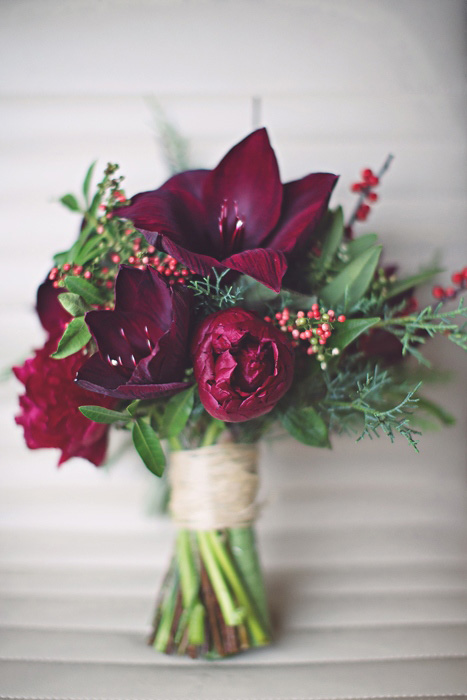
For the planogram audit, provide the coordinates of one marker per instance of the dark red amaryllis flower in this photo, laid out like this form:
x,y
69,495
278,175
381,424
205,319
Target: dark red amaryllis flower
x,y
142,342
238,216
242,364
50,412
52,315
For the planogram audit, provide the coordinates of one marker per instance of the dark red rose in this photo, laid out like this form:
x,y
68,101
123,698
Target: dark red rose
x,y
50,415
238,216
242,364
52,315
143,342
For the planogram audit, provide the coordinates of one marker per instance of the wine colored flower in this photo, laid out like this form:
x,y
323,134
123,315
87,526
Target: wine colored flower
x,y
238,216
50,412
52,315
143,342
243,365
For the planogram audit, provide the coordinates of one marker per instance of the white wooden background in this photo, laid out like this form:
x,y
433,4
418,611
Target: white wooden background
x,y
364,547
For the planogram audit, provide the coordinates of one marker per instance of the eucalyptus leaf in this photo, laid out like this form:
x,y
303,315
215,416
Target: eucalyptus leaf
x,y
333,236
360,244
345,333
98,414
75,337
86,290
177,412
305,425
148,446
87,180
350,285
403,285
73,303
70,201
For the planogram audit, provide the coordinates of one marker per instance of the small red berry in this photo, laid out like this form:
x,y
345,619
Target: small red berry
x,y
450,292
438,292
372,196
341,318
87,275
457,278
362,212
115,258
356,187
66,267
367,173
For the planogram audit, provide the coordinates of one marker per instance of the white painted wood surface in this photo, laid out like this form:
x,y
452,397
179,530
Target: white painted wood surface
x,y
364,547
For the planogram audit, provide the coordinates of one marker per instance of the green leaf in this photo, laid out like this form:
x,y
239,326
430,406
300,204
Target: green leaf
x,y
75,337
345,333
86,290
73,304
61,258
88,251
148,446
360,244
96,200
87,180
403,285
333,236
70,201
350,285
177,412
98,414
306,425
131,408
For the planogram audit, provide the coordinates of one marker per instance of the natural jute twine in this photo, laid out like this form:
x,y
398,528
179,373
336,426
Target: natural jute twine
x,y
214,487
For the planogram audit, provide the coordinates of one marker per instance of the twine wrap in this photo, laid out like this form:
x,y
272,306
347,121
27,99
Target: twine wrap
x,y
214,487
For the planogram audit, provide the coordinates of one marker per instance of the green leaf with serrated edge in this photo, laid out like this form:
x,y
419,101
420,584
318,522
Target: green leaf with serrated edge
x,y
403,285
148,446
333,236
70,201
98,414
75,337
88,250
351,283
86,290
360,244
177,412
131,408
87,180
73,304
305,425
345,333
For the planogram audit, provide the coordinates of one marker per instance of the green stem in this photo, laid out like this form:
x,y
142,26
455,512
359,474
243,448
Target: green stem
x,y
193,610
165,624
253,622
213,430
244,551
232,614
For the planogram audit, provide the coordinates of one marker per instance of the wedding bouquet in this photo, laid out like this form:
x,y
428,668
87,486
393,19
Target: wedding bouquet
x,y
202,315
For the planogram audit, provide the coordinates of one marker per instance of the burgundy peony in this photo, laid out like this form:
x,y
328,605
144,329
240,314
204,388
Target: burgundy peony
x,y
143,342
242,364
238,216
50,415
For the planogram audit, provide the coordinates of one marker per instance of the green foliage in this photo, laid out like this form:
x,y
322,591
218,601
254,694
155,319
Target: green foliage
x,y
364,396
306,425
87,181
349,331
148,446
73,303
98,414
212,295
350,285
333,233
84,288
75,337
70,202
360,245
414,329
400,286
177,412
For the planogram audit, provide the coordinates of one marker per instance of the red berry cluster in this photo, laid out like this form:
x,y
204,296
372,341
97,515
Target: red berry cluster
x,y
364,188
314,327
459,279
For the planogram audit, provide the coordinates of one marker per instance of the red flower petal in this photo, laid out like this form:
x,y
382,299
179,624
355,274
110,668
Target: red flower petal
x,y
249,176
304,203
263,264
